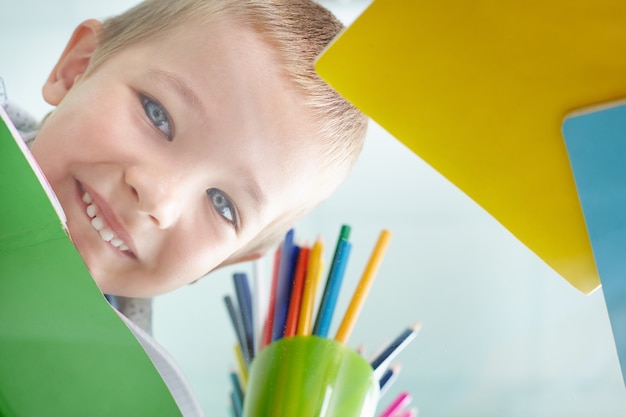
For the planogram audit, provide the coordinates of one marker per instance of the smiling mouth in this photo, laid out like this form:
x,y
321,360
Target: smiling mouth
x,y
98,223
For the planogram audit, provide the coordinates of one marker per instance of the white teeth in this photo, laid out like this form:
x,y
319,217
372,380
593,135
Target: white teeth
x,y
97,223
106,234
92,210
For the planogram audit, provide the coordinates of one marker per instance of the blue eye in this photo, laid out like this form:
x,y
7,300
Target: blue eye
x,y
158,116
222,204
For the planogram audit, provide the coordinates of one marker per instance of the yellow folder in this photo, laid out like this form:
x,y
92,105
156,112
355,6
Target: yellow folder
x,y
479,90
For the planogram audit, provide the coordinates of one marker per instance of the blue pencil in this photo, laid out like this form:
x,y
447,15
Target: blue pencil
x,y
388,378
237,408
335,278
283,286
344,234
244,298
381,362
237,326
237,390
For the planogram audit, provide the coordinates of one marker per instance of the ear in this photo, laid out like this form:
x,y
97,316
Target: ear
x,y
73,62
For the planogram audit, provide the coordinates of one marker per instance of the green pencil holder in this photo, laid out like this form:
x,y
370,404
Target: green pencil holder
x,y
310,376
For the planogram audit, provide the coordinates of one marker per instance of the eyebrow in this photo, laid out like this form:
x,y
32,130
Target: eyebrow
x,y
253,190
171,80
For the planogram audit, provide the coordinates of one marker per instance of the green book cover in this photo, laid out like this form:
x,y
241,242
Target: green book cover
x,y
63,350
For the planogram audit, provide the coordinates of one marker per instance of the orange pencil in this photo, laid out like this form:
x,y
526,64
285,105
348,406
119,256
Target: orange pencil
x,y
296,292
313,275
362,289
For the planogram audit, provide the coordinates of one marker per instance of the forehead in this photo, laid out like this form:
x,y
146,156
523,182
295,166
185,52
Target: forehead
x,y
233,69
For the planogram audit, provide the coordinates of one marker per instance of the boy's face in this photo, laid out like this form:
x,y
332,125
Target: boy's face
x,y
178,149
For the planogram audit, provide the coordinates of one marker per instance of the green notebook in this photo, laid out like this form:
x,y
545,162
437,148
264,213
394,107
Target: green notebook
x,y
63,350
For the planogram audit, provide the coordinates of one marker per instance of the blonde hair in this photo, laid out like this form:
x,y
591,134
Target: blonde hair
x,y
298,30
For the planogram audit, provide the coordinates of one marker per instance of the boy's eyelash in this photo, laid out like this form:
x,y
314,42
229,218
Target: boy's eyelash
x,y
158,116
224,206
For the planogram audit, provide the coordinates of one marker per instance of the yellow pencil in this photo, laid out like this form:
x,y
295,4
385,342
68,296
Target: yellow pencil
x,y
363,287
243,371
310,288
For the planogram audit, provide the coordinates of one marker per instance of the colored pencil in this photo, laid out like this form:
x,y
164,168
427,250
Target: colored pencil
x,y
293,314
237,389
283,288
259,306
344,234
363,287
269,321
409,413
379,349
313,275
388,378
335,278
237,407
381,362
402,400
237,323
243,369
244,298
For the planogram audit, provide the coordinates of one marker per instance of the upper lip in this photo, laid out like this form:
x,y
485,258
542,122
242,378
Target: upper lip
x,y
111,219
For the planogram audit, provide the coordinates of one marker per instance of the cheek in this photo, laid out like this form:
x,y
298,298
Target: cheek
x,y
191,252
52,150
81,141
90,124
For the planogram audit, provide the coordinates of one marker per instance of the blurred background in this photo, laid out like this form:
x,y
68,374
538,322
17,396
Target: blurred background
x,y
503,335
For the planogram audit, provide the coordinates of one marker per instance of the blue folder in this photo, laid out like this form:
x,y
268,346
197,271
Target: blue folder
x,y
596,144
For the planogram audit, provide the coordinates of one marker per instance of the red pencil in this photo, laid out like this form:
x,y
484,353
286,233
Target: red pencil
x,y
269,322
296,293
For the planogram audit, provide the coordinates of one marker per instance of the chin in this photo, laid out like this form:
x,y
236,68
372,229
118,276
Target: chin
x,y
100,281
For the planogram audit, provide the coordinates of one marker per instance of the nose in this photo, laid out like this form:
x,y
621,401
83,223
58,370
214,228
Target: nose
x,y
155,193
